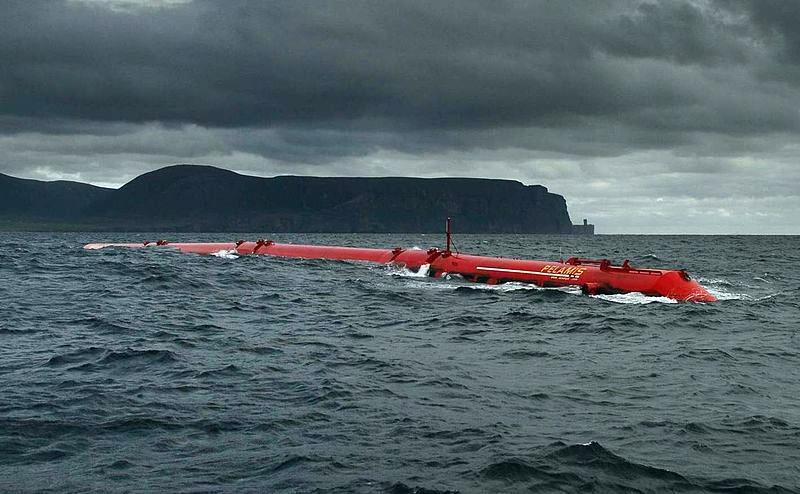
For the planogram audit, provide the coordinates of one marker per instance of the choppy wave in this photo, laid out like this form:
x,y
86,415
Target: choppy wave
x,y
593,468
725,289
723,294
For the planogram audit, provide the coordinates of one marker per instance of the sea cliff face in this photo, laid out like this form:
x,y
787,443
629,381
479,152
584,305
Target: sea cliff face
x,y
205,198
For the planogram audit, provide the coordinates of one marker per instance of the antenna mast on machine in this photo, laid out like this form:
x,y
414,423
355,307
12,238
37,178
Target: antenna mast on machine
x,y
448,234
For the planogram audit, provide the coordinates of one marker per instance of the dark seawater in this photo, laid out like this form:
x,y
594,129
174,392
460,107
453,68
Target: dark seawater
x,y
150,370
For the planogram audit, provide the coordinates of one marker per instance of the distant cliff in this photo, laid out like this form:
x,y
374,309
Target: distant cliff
x,y
28,204
205,198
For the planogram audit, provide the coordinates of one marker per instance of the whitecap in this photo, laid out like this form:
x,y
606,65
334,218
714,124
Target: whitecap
x,y
514,286
635,298
722,294
504,287
226,254
404,272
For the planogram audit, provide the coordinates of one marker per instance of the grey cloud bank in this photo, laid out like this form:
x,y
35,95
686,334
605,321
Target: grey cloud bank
x,y
673,116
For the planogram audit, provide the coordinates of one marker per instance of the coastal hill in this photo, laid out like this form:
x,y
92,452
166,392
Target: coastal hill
x,y
34,202
205,198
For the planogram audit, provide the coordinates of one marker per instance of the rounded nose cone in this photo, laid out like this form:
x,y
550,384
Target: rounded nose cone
x,y
698,293
677,285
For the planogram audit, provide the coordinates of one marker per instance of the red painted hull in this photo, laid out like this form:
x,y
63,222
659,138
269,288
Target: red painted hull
x,y
593,277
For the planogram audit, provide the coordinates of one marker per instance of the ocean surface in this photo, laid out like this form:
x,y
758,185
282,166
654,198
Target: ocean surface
x,y
148,370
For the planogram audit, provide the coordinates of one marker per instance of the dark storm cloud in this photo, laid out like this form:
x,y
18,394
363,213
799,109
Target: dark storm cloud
x,y
776,21
610,102
397,65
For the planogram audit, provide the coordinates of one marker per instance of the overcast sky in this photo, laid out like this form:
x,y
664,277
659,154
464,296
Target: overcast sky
x,y
649,117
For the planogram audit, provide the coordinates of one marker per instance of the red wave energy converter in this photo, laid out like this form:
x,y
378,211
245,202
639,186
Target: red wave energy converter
x,y
593,276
